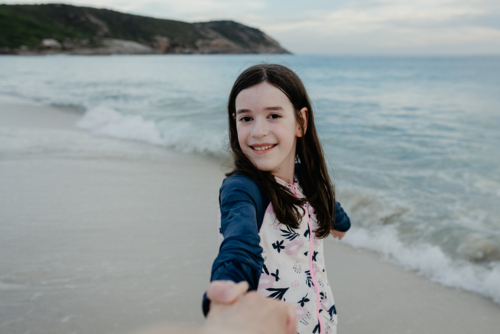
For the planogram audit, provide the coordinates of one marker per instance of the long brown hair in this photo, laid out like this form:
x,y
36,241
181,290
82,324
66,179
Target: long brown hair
x,y
311,172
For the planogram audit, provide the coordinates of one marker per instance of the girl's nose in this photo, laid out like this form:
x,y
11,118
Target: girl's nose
x,y
260,128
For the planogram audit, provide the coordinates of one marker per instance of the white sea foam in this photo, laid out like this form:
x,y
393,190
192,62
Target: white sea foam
x,y
383,224
108,122
182,136
429,261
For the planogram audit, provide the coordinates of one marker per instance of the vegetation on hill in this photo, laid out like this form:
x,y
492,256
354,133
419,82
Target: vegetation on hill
x,y
24,27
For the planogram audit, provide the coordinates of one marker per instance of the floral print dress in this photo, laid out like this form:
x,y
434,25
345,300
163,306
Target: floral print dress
x,y
294,269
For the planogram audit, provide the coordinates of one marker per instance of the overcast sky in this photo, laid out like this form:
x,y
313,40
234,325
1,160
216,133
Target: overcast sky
x,y
418,27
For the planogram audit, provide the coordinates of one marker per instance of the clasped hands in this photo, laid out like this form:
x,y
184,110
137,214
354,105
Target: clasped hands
x,y
234,310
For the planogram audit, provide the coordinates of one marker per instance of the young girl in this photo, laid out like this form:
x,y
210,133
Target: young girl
x,y
278,204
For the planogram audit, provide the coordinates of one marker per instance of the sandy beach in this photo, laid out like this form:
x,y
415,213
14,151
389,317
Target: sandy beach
x,y
99,235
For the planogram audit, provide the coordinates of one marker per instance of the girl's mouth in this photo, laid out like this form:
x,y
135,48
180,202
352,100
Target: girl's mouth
x,y
263,148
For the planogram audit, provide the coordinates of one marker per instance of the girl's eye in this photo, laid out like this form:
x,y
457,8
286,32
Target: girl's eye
x,y
245,119
274,116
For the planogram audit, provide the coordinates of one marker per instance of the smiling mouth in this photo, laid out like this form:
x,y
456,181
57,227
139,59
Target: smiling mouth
x,y
263,148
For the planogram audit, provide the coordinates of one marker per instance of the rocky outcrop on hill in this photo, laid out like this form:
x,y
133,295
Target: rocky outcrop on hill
x,y
233,37
58,28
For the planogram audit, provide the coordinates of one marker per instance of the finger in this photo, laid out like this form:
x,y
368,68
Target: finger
x,y
291,323
226,292
217,289
240,288
232,293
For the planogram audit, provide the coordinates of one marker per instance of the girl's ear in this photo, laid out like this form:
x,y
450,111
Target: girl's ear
x,y
304,114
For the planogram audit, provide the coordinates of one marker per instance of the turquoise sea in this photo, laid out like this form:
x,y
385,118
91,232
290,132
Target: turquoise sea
x,y
412,142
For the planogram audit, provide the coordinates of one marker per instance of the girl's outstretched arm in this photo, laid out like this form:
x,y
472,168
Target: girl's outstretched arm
x,y
242,207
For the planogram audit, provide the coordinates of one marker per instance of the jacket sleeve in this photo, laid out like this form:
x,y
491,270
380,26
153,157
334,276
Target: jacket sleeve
x,y
341,221
240,255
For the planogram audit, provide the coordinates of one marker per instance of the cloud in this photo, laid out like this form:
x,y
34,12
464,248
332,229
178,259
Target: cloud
x,y
194,10
186,10
395,26
394,14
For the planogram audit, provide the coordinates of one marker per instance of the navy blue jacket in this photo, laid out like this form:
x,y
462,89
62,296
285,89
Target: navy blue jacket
x,y
243,204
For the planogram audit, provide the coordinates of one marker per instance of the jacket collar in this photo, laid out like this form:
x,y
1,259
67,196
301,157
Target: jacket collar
x,y
294,188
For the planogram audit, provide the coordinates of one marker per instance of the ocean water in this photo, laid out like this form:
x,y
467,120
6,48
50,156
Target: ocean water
x,y
412,142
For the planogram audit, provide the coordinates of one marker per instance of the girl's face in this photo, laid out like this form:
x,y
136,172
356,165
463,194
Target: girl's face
x,y
267,129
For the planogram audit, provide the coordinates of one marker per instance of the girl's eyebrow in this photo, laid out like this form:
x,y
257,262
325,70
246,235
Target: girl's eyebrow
x,y
241,111
274,108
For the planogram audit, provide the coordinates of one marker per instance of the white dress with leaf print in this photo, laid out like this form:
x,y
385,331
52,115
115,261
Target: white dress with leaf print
x,y
294,269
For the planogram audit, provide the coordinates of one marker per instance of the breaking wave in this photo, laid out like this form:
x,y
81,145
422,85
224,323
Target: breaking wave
x,y
183,136
380,224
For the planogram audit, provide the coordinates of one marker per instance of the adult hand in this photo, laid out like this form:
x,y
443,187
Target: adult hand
x,y
248,314
227,293
337,234
252,313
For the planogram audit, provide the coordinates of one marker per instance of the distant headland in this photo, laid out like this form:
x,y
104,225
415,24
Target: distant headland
x,y
66,29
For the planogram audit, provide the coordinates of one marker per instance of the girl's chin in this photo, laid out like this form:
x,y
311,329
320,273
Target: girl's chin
x,y
265,167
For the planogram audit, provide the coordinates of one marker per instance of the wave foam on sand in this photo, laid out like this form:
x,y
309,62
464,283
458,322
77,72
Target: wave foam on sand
x,y
182,136
377,228
430,261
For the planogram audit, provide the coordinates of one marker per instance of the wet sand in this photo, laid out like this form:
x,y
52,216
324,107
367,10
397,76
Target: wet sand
x,y
105,236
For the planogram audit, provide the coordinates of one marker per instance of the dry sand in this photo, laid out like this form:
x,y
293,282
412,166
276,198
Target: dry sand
x,y
104,236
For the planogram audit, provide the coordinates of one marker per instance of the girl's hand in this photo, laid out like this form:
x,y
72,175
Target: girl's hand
x,y
337,234
226,292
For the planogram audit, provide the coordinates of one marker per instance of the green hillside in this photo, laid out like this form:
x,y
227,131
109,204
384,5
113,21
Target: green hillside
x,y
25,26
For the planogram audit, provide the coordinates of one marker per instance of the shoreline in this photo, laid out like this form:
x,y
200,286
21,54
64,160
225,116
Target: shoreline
x,y
105,235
